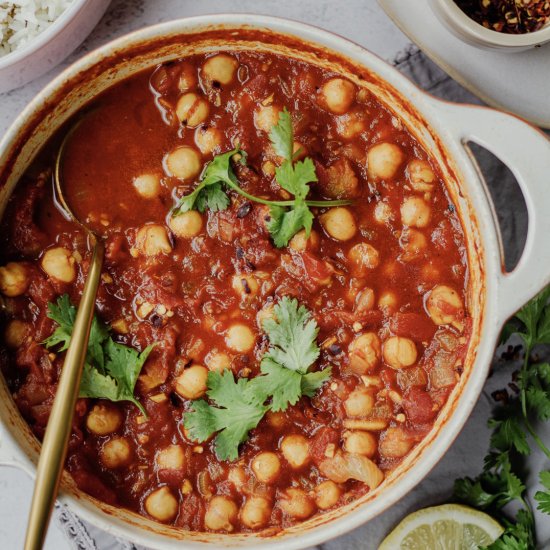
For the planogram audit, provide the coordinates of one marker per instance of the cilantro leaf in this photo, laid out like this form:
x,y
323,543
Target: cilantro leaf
x,y
237,412
111,369
472,492
543,497
209,194
535,317
283,385
284,224
238,407
296,177
282,136
312,381
292,334
122,369
509,433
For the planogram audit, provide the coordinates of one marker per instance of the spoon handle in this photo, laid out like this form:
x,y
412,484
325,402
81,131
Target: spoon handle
x,y
54,445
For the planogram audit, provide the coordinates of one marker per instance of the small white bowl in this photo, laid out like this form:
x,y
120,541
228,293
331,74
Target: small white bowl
x,y
473,33
51,46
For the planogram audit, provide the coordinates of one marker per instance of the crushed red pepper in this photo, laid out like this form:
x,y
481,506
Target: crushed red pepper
x,y
508,16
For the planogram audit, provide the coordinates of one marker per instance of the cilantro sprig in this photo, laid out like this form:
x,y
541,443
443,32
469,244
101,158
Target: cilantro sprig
x,y
502,480
111,369
237,407
287,217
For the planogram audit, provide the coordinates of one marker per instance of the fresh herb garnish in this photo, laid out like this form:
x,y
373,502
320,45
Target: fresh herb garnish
x,y
111,369
502,479
287,217
239,406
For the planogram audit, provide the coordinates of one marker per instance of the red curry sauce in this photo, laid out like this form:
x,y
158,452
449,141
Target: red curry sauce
x,y
385,279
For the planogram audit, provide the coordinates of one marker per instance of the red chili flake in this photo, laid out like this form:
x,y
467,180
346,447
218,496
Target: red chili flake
x,y
508,16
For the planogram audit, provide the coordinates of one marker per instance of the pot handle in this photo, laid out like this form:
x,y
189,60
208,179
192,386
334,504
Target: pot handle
x,y
526,152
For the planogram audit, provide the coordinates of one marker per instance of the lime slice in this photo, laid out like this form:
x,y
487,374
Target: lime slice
x,y
447,527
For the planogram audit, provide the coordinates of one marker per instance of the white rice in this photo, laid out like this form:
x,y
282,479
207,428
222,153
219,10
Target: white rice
x,y
22,20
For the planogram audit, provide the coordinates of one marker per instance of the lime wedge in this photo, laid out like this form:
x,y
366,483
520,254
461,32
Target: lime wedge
x,y
446,527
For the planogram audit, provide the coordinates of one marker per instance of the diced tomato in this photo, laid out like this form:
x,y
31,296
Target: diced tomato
x,y
413,325
191,512
321,440
418,405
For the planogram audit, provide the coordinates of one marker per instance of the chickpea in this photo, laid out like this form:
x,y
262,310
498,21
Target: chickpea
x,y
350,126
16,333
337,95
266,467
183,163
413,243
104,419
256,512
240,338
421,176
395,443
360,443
266,116
217,361
221,514
246,286
399,352
186,225
300,243
208,140
147,185
237,476
191,383
152,239
192,110
14,279
220,68
363,257
360,402
383,212
295,449
383,161
170,458
339,223
188,78
364,353
276,420
387,302
162,504
364,301
59,264
444,305
264,314
115,453
296,503
415,212
327,494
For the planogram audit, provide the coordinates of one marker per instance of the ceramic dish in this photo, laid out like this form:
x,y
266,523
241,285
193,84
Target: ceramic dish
x,y
486,72
443,130
472,32
52,45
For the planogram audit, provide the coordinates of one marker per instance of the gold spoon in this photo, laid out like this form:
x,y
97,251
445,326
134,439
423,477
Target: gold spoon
x,y
54,445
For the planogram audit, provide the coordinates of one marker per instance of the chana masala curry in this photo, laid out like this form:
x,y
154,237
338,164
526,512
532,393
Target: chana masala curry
x,y
282,310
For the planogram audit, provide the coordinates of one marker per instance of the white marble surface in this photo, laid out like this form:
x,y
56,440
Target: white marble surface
x,y
360,20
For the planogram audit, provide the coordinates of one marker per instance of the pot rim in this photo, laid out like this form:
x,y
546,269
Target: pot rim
x,y
428,108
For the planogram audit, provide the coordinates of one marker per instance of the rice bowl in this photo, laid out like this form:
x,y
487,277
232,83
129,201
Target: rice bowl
x,y
36,35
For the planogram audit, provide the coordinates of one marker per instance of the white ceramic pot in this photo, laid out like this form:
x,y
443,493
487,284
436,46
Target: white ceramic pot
x,y
442,128
52,45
